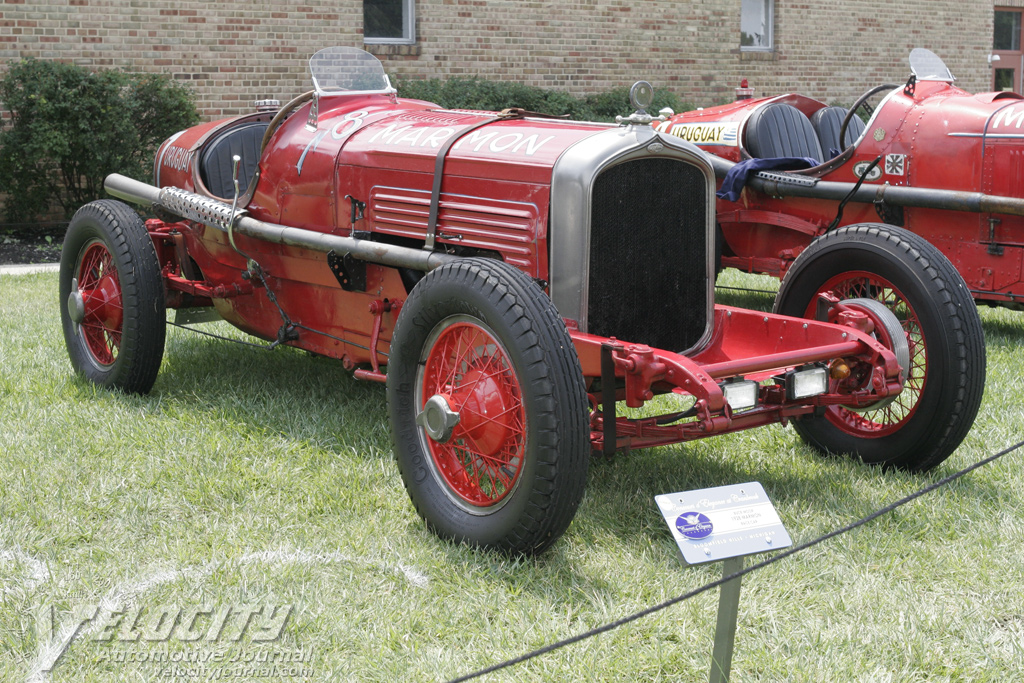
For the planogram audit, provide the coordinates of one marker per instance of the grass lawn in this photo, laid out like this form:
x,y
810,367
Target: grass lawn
x,y
250,478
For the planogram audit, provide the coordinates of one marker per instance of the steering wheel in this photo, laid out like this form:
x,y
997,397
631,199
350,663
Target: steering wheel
x,y
857,105
280,116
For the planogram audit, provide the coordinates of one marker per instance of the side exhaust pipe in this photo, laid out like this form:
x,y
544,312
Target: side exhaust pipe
x,y
794,185
217,214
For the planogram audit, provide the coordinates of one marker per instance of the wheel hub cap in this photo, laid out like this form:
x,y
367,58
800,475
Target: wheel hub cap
x,y
438,419
76,304
485,414
103,303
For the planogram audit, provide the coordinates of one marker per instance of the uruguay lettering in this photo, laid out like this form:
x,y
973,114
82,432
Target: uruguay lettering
x,y
713,133
177,158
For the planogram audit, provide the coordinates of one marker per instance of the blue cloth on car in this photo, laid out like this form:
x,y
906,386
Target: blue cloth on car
x,y
737,176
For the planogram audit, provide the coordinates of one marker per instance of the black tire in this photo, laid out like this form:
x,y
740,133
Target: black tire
x,y
481,329
942,393
114,320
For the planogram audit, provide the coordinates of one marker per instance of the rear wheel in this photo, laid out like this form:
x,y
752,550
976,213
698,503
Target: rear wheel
x,y
946,373
488,408
112,298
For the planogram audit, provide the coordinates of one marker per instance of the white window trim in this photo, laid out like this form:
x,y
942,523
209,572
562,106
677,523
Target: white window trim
x,y
408,28
771,33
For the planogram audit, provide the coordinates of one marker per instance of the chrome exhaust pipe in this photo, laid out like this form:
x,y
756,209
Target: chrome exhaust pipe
x,y
217,214
794,185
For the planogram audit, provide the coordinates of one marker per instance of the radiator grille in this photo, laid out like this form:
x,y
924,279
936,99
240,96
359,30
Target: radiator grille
x,y
648,279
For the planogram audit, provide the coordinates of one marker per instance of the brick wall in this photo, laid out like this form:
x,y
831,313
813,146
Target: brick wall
x,y
232,53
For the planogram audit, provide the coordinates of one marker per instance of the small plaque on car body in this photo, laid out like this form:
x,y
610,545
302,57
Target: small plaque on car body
x,y
722,522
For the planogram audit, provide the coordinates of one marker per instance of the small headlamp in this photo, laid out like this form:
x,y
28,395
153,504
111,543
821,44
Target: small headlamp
x,y
740,393
806,381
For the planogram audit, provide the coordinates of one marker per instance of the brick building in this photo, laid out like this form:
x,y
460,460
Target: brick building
x,y
233,53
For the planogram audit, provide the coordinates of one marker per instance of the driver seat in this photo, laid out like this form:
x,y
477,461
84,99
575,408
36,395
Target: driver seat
x,y
215,164
781,130
827,121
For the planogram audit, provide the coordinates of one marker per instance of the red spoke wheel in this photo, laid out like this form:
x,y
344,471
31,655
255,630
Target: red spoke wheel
x,y
95,303
887,416
946,368
112,298
481,457
488,408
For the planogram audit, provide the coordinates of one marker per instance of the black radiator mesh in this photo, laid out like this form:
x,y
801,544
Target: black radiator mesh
x,y
648,254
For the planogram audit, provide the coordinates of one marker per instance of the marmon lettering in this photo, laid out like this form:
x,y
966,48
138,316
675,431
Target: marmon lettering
x,y
406,135
1008,117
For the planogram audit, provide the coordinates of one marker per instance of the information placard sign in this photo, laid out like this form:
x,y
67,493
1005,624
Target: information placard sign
x,y
722,522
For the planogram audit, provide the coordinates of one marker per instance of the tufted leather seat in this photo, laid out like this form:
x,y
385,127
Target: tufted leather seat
x,y
827,122
215,163
781,130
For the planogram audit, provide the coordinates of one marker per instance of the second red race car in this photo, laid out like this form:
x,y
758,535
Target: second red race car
x,y
932,158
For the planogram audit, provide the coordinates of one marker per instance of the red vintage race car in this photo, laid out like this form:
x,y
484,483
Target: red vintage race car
x,y
932,158
518,276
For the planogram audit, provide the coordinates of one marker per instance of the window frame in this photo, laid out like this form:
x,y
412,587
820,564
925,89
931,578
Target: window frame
x,y
408,36
769,6
1019,27
1011,61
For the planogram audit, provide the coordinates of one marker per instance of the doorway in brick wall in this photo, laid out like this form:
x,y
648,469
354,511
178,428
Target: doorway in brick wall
x,y
1008,70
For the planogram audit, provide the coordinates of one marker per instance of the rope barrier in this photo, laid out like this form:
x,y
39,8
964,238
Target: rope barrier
x,y
771,292
752,568
273,345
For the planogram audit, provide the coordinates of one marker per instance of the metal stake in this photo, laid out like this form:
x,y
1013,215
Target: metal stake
x,y
725,630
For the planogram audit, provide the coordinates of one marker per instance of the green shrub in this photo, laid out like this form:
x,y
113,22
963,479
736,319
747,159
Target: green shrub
x,y
474,93
605,106
70,128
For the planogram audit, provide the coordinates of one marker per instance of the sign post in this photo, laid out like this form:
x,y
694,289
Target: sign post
x,y
725,628
724,523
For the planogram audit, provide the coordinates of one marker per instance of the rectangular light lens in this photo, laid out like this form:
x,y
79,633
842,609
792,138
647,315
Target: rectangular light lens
x,y
807,382
741,394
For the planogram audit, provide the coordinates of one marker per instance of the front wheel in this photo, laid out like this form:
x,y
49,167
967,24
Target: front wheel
x,y
488,408
942,391
112,302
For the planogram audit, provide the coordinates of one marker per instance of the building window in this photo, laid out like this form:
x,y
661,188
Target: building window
x,y
1006,30
756,24
1007,57
389,21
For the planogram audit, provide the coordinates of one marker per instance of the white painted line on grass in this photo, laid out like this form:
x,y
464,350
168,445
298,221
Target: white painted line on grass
x,y
125,593
302,557
30,268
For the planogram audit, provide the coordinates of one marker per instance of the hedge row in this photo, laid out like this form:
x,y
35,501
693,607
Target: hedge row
x,y
475,93
70,127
